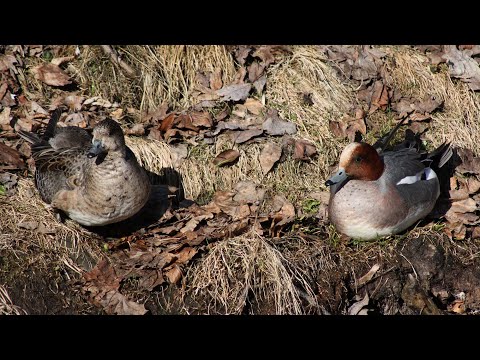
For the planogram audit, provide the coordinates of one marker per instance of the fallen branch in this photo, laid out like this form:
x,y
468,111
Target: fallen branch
x,y
107,49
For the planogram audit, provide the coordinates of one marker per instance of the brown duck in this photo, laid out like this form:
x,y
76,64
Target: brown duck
x,y
94,180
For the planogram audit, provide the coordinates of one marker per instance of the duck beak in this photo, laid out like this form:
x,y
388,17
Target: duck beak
x,y
96,149
338,178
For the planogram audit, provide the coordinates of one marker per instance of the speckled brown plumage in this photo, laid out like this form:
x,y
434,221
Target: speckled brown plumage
x,y
95,184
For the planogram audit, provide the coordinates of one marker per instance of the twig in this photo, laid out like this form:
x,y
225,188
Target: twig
x,y
416,276
107,49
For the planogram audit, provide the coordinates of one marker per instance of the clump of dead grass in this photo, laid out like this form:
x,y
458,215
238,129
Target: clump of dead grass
x,y
166,73
6,305
458,122
74,248
308,71
240,273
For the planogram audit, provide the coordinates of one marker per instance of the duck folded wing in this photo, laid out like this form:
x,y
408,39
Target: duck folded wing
x,y
422,192
57,170
402,165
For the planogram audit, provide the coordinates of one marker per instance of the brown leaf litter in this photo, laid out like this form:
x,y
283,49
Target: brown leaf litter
x,y
348,126
160,253
51,74
461,217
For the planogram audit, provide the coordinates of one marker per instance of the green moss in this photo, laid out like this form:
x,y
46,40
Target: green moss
x,y
310,206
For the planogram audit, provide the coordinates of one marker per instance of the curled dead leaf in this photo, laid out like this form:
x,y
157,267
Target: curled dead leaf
x,y
348,127
428,105
51,75
464,206
59,61
74,102
457,306
216,79
5,119
226,157
380,97
356,307
201,119
369,275
304,150
174,274
137,130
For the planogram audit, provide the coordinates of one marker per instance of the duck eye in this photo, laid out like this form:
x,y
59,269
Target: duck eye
x,y
358,159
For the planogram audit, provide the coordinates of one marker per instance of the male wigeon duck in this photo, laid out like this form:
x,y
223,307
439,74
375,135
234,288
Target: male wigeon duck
x,y
377,193
96,180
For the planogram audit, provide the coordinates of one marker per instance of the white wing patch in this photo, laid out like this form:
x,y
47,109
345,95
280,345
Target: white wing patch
x,y
428,172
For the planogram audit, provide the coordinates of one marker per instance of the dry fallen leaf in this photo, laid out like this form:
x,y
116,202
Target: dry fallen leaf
x,y
462,66
464,206
167,122
185,255
174,274
51,75
237,124
476,232
10,156
137,130
59,61
241,53
304,150
102,284
76,119
380,97
270,154
201,119
369,275
193,222
117,114
470,164
259,84
247,192
276,126
8,181
358,306
245,135
265,54
428,105
281,217
348,127
254,106
236,92
179,153
226,157
5,119
255,71
3,90
36,108
29,225
457,306
216,79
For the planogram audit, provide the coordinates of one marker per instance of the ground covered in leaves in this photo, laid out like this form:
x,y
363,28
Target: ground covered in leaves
x,y
238,142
